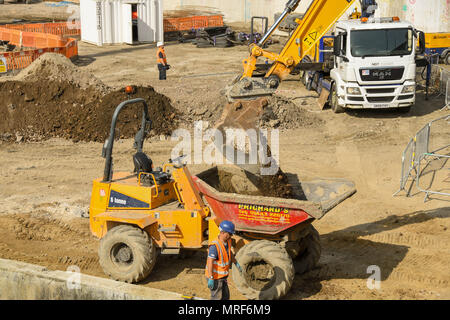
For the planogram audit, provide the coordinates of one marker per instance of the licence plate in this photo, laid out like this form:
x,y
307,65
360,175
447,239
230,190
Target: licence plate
x,y
381,106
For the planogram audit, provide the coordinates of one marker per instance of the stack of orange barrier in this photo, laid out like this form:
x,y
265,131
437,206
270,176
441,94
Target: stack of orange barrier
x,y
44,37
31,39
58,28
189,23
22,59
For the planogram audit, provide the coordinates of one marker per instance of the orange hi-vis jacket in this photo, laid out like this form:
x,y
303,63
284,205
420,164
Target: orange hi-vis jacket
x,y
159,59
222,264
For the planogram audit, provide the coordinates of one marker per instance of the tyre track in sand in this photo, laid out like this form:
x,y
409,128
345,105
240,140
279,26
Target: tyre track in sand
x,y
54,242
412,252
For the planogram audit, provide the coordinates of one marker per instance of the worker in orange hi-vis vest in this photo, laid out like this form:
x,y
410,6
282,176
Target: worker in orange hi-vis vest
x,y
218,263
161,60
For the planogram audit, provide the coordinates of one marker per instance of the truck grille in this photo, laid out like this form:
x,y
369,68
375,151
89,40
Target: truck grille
x,y
379,74
379,99
381,90
356,98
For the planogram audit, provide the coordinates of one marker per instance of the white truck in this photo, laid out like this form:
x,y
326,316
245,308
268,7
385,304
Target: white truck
x,y
374,64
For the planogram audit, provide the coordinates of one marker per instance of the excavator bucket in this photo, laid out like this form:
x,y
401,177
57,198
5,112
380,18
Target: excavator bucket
x,y
242,114
251,88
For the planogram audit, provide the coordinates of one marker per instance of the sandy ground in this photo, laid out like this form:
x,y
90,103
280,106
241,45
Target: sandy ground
x,y
45,186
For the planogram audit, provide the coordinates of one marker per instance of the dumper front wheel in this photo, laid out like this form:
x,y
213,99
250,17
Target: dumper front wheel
x,y
267,270
309,252
127,253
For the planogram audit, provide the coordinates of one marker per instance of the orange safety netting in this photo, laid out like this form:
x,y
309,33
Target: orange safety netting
x,y
44,37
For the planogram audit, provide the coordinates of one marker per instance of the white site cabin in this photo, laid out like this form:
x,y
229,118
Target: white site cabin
x,y
121,21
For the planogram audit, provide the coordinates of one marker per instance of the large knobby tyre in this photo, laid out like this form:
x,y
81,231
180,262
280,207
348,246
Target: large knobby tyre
x,y
127,253
316,81
447,58
310,252
308,81
267,271
334,100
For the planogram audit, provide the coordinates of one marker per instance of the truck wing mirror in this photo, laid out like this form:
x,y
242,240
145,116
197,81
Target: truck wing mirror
x,y
337,44
337,47
421,42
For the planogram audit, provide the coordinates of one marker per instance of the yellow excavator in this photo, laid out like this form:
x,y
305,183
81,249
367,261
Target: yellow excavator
x,y
247,94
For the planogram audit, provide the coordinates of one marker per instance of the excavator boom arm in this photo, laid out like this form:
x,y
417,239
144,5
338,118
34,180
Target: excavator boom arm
x,y
319,18
246,95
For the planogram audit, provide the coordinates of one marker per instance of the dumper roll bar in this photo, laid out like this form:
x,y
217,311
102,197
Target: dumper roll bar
x,y
138,139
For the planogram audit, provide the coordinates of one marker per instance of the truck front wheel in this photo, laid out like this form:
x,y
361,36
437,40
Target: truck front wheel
x,y
267,270
334,100
127,253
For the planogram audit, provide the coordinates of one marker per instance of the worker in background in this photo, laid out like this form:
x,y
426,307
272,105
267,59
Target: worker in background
x,y
161,59
368,8
218,263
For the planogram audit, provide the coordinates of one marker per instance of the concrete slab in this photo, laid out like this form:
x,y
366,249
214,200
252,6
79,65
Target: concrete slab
x,y
24,281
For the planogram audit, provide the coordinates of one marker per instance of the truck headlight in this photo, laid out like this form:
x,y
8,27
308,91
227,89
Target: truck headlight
x,y
409,89
353,90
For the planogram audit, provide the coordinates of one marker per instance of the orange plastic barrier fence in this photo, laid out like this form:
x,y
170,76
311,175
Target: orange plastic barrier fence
x,y
32,39
22,59
58,28
189,23
44,37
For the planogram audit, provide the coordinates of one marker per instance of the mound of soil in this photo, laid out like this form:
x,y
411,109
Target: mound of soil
x,y
233,180
54,98
52,67
283,113
41,110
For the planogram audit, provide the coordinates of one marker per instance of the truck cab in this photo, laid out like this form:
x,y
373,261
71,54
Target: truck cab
x,y
374,64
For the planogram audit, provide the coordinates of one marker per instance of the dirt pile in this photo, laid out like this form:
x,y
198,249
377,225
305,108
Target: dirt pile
x,y
54,98
233,180
52,67
35,111
283,113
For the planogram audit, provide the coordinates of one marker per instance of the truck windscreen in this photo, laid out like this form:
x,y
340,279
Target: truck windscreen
x,y
381,42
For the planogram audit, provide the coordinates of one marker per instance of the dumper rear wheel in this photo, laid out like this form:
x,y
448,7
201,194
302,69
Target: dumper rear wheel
x,y
310,251
267,270
127,253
